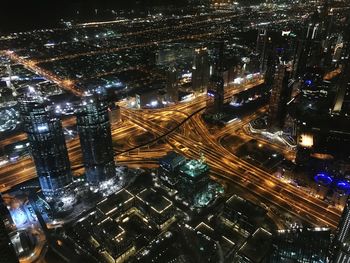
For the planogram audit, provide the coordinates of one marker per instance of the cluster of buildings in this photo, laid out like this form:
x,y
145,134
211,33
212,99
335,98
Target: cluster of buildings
x,y
48,146
188,180
181,214
308,78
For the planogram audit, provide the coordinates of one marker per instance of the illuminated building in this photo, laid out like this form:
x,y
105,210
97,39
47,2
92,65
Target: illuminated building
x,y
306,140
200,70
7,251
261,48
172,85
47,144
300,245
216,83
342,104
341,248
170,54
271,61
309,52
95,138
280,95
189,179
193,177
169,167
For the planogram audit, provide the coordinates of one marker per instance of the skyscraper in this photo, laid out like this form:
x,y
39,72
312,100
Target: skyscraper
x,y
305,245
216,83
344,80
7,252
261,48
280,95
47,144
95,138
200,70
309,48
172,85
342,239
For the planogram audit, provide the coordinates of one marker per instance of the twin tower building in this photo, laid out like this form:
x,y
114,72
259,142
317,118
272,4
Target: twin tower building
x,y
48,146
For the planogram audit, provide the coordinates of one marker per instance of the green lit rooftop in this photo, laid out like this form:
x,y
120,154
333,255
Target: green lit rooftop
x,y
194,168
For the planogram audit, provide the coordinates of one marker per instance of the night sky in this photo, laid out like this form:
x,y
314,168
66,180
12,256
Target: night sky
x,y
28,14
21,15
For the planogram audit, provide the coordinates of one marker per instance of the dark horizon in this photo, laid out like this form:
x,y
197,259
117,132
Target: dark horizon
x,y
39,14
36,14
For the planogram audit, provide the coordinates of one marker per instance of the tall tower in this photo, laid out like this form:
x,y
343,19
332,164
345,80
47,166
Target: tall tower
x,y
47,144
342,240
9,83
95,138
172,85
309,48
7,251
280,95
344,80
261,48
216,86
200,70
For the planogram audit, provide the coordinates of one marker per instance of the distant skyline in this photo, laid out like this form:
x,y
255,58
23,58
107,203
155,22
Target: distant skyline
x,y
33,14
27,15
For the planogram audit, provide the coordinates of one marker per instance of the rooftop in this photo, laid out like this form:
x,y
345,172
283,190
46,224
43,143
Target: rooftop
x,y
155,200
194,168
114,202
257,247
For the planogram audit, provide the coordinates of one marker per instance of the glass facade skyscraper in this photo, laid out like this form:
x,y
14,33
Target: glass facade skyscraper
x,y
47,144
7,251
217,80
342,239
280,95
200,70
95,138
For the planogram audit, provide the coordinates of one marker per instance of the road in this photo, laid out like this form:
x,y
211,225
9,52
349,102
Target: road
x,y
182,127
198,140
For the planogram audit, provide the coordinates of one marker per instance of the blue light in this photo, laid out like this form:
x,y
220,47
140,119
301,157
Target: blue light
x,y
210,94
324,179
343,185
308,82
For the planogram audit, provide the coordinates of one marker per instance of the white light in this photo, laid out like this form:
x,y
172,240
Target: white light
x,y
154,103
43,127
31,89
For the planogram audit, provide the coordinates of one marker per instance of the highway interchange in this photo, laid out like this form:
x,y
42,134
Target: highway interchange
x,y
181,128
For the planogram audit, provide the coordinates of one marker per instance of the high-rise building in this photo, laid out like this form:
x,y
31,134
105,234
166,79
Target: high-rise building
x,y
343,93
47,144
95,138
172,87
7,251
343,89
280,95
309,52
216,83
300,245
341,248
261,48
200,70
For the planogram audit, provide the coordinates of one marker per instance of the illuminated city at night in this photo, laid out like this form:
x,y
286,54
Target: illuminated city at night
x,y
199,131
